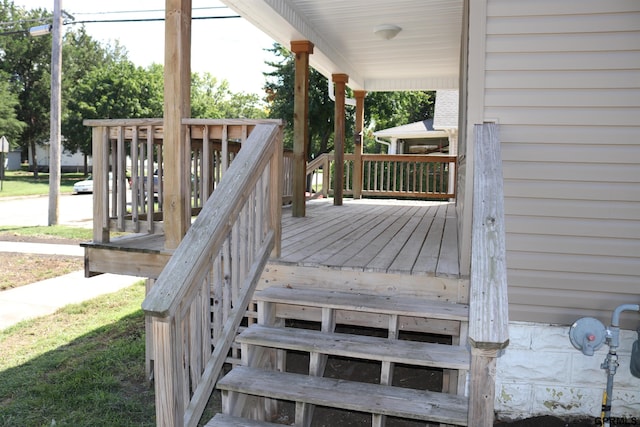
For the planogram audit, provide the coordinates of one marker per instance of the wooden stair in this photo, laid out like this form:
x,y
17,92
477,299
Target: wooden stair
x,y
263,381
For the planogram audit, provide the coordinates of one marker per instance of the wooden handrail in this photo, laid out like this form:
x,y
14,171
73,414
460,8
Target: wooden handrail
x,y
488,303
202,294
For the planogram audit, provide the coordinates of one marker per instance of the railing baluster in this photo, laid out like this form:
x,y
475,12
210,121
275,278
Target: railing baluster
x,y
207,170
147,186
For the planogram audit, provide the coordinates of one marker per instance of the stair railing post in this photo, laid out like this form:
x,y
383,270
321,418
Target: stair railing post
x,y
488,304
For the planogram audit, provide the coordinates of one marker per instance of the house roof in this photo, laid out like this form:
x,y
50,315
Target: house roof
x,y
446,117
425,55
422,129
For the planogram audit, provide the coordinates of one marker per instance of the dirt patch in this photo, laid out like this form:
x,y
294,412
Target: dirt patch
x,y
17,269
22,269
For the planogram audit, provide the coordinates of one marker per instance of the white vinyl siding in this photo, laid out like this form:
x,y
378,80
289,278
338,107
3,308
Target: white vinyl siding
x,y
563,81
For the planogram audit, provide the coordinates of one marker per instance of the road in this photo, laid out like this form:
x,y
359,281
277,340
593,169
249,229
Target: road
x,y
76,210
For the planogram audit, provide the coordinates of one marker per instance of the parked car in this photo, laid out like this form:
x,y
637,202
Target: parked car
x,y
86,186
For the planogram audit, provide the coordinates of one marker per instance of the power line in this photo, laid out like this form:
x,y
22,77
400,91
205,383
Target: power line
x,y
146,11
145,19
98,21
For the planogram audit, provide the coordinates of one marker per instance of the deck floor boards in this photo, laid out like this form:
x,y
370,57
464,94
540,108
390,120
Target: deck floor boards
x,y
382,236
392,236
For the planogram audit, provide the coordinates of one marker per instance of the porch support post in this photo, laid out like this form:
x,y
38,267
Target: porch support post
x,y
482,389
302,50
340,81
357,146
177,105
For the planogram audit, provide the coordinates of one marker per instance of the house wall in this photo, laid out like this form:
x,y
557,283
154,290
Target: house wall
x,y
69,161
562,79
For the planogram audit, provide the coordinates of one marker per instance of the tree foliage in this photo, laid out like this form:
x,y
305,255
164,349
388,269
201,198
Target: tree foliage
x,y
280,87
10,126
118,89
214,100
26,60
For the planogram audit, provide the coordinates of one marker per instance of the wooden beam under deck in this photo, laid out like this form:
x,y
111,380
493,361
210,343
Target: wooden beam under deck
x,y
141,255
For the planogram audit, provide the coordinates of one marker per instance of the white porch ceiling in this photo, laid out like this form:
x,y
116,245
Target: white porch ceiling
x,y
425,55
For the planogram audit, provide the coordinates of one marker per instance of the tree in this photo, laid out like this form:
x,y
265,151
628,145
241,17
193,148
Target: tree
x,y
26,60
214,100
81,55
116,90
280,89
10,126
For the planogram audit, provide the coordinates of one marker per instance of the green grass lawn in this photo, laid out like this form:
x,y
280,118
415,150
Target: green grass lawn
x,y
60,231
21,183
82,366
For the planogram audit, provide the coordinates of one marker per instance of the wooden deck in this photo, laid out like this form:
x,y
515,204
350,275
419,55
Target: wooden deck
x,y
384,236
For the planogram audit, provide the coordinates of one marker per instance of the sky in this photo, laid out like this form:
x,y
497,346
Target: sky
x,y
230,49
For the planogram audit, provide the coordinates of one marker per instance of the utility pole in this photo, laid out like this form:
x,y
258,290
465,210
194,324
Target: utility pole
x,y
55,114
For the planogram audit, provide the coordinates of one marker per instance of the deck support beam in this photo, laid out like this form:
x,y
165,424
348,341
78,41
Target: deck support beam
x,y
357,146
340,81
302,49
177,105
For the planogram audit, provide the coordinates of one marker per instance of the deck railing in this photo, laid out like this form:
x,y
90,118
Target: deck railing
x,y
388,175
202,295
128,168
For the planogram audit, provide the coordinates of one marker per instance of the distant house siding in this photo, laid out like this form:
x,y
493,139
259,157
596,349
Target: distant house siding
x,y
563,80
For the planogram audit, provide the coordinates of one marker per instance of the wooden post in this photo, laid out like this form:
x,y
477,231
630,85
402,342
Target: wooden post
x,y
482,387
357,147
488,303
100,150
302,50
340,81
177,105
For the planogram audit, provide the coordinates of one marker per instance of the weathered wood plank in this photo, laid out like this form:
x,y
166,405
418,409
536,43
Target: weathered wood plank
x,y
405,306
361,235
380,283
222,420
448,264
408,255
489,320
394,250
358,346
371,398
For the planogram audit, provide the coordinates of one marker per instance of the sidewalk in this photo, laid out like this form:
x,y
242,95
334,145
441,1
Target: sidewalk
x,y
45,297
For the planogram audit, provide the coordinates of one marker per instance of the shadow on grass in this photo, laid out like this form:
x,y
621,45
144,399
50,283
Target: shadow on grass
x,y
96,379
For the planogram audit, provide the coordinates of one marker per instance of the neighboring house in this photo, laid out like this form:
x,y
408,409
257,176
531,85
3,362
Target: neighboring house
x,y
426,136
413,138
69,162
13,160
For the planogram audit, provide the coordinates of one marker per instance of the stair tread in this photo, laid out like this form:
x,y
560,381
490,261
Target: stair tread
x,y
403,306
363,397
223,420
358,346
